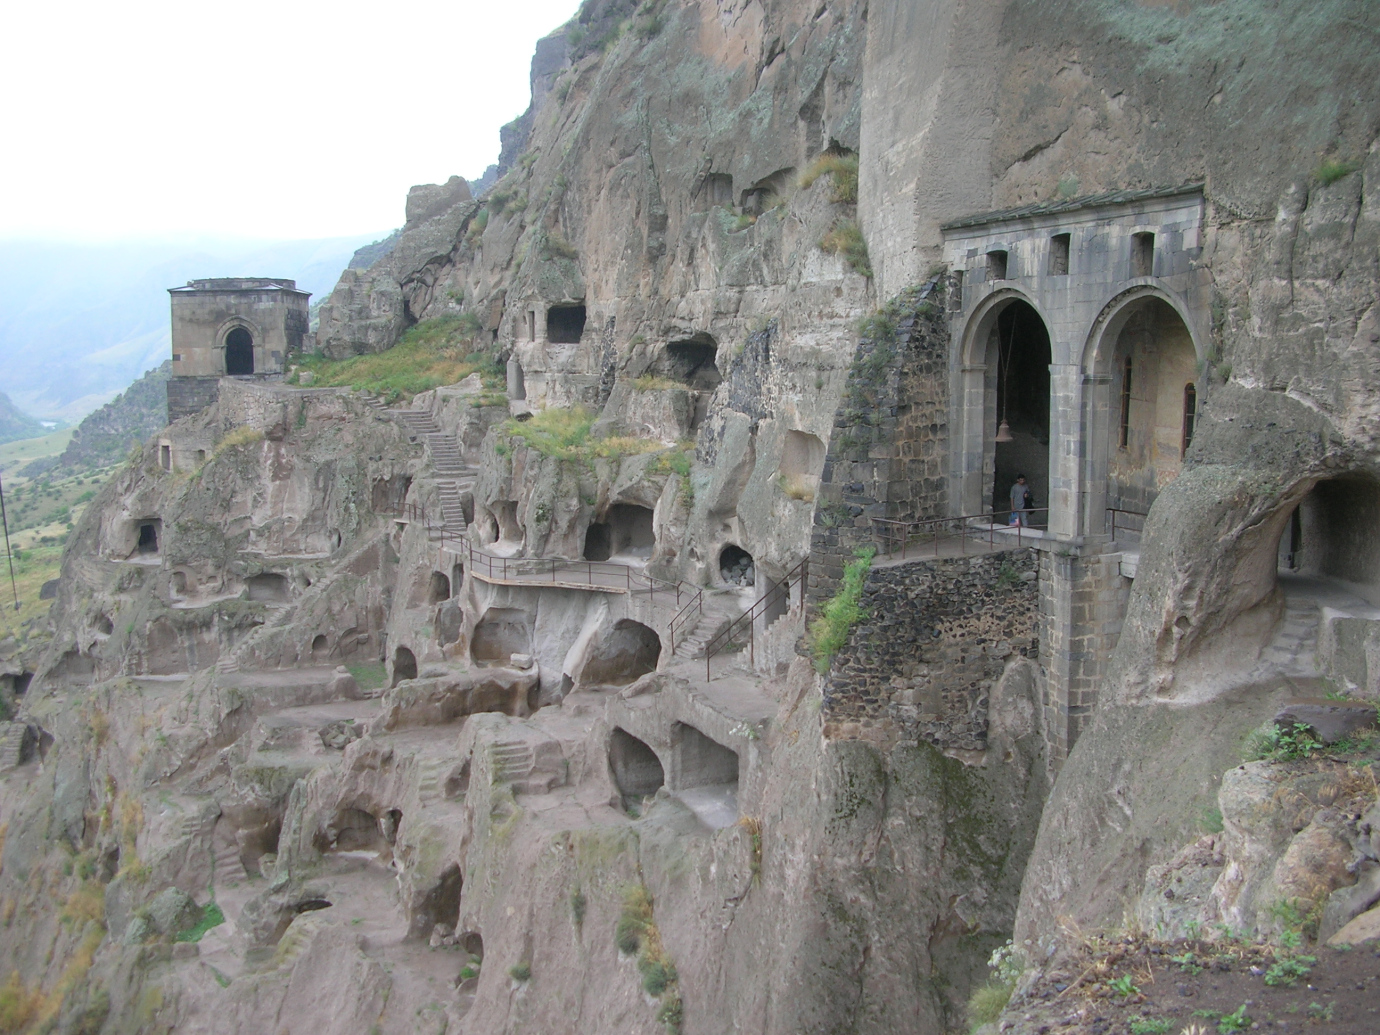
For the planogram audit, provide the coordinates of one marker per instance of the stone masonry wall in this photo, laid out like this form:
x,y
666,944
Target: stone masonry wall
x,y
887,455
937,635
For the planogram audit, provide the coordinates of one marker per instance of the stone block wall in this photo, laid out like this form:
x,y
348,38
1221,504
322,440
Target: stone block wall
x,y
189,395
937,635
1082,605
888,452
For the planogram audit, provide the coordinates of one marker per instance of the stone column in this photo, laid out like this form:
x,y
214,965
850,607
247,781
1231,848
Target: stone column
x,y
1065,453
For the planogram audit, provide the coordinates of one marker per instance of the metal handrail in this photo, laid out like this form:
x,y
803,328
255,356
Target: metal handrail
x,y
800,574
890,532
635,580
1114,511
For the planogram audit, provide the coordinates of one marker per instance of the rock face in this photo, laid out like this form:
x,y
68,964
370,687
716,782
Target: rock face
x,y
490,713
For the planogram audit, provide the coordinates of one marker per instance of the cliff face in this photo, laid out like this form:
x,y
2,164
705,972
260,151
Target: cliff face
x,y
419,700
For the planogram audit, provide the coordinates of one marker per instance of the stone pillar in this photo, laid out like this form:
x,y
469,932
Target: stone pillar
x,y
971,475
1066,447
1097,432
1082,604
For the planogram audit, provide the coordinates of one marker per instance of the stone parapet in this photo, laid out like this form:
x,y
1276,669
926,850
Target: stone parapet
x,y
936,637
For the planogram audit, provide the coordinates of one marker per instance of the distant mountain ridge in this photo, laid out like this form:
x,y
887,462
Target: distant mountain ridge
x,y
15,423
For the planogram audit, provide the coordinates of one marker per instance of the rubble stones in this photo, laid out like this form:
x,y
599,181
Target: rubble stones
x,y
1331,720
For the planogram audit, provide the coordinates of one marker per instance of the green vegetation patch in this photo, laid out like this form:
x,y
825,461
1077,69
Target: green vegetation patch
x,y
211,917
846,238
371,675
431,354
842,169
1333,169
565,433
829,632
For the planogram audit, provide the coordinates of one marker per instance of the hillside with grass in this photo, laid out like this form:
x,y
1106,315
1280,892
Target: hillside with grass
x,y
430,354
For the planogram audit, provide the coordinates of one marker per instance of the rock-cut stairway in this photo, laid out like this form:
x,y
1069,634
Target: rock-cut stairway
x,y
453,477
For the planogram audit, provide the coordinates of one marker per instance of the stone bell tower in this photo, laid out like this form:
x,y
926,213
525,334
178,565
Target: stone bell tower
x,y
242,327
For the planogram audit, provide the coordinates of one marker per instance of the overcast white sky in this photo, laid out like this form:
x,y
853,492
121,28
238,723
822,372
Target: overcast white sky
x,y
283,119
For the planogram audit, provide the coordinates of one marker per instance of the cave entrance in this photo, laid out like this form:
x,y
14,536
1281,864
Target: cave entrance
x,y
693,362
438,588
148,537
320,648
404,665
630,531
565,324
636,770
269,588
501,633
627,653
350,830
1331,534
802,464
1018,358
737,567
704,776
239,352
439,904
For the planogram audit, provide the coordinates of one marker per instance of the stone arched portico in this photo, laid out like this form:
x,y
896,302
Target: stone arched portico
x,y
1087,268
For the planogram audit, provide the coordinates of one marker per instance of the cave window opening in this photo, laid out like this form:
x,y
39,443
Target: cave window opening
x,y
716,190
148,538
269,588
628,652
1190,414
501,633
404,665
565,324
637,772
1018,359
239,352
1143,255
704,775
201,456
736,566
165,457
438,588
630,532
457,578
997,265
440,904
1124,437
598,542
1059,255
531,325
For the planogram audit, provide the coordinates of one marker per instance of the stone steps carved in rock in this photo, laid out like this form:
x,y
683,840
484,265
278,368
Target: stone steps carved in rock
x,y
297,939
13,737
228,867
429,773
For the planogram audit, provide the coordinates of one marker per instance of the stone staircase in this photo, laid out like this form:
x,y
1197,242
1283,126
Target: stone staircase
x,y
430,772
714,616
16,745
297,939
229,868
510,760
1294,646
453,476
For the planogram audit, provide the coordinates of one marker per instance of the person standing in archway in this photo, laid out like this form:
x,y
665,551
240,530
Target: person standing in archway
x,y
1020,502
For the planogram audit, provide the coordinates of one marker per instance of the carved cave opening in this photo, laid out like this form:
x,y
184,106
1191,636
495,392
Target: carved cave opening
x,y
637,772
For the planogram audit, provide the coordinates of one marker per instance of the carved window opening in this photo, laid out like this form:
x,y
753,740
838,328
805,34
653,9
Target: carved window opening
x,y
1059,255
1190,413
1124,438
1143,255
997,265
565,324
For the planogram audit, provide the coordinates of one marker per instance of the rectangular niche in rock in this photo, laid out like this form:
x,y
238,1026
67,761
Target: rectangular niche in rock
x,y
565,324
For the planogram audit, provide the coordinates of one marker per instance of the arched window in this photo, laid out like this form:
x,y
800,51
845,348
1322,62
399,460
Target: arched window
x,y
239,352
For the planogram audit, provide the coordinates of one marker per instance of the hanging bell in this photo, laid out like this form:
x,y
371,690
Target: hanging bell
x,y
1003,432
